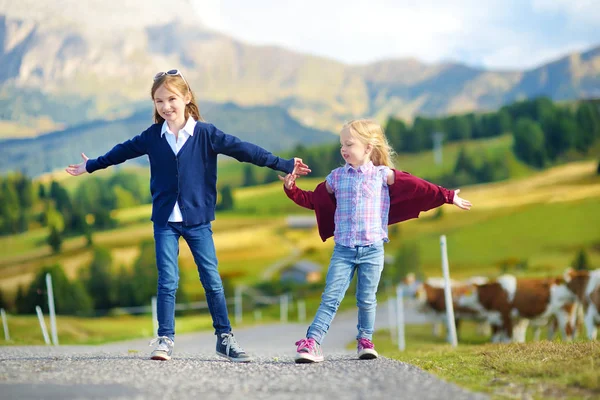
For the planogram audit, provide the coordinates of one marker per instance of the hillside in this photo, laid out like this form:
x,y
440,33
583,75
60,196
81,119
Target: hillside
x,y
61,50
544,218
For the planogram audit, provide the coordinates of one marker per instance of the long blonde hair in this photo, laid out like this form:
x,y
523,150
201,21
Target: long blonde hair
x,y
370,132
176,83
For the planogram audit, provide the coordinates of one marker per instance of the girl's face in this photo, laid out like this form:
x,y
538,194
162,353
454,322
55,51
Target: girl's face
x,y
170,104
354,151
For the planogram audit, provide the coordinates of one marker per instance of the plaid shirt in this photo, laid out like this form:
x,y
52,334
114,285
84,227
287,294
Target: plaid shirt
x,y
363,203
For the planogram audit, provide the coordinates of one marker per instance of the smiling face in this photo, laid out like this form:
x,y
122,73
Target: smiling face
x,y
354,151
170,104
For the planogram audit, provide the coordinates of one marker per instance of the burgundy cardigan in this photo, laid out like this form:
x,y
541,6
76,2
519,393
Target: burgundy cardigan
x,y
409,196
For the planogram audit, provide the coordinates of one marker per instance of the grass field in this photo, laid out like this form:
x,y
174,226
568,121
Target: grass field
x,y
532,370
26,330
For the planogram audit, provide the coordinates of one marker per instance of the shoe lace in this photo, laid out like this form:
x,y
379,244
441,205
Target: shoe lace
x,y
365,343
308,344
162,340
230,342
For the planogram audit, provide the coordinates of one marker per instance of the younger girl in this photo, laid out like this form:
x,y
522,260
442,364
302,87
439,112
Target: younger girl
x,y
183,150
353,205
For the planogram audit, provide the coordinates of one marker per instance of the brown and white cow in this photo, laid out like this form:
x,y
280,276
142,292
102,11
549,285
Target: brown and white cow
x,y
586,286
510,304
432,301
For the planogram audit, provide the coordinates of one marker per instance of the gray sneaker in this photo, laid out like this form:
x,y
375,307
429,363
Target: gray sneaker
x,y
308,351
163,349
229,348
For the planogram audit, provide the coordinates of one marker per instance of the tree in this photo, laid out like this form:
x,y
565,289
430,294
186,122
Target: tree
x,y
20,303
395,132
3,302
227,202
55,239
422,130
272,175
98,280
589,126
560,133
103,219
69,298
529,143
496,124
464,163
144,275
132,184
249,178
457,127
581,261
124,198
89,238
411,142
60,196
41,191
9,207
25,190
124,288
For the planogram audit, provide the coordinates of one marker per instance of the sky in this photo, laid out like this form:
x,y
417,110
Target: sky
x,y
494,34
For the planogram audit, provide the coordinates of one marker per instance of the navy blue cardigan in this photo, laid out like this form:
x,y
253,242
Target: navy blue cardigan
x,y
190,177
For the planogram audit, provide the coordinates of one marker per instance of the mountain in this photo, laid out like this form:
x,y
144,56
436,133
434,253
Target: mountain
x,y
102,56
269,127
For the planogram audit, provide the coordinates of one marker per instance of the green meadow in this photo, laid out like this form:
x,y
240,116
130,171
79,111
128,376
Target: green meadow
x,y
533,370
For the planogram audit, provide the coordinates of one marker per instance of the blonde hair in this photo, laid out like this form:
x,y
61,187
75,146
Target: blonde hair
x,y
370,132
176,84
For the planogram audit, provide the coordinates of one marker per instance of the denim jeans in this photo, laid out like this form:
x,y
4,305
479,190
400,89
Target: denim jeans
x,y
199,239
367,262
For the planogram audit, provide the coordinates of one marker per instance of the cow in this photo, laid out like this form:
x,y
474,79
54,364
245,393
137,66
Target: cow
x,y
573,310
510,304
585,285
432,300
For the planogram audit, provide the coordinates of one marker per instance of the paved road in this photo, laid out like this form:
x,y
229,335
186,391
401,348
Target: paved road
x,y
123,370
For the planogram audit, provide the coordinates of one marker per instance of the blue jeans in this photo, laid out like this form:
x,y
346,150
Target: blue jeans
x,y
367,262
199,239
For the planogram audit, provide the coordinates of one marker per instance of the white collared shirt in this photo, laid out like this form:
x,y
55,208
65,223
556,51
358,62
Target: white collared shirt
x,y
176,145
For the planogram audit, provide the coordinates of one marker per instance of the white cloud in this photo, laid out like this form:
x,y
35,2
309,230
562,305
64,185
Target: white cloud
x,y
209,12
498,34
576,10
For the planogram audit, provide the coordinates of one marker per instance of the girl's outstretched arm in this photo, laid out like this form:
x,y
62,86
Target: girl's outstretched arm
x,y
78,169
460,202
304,198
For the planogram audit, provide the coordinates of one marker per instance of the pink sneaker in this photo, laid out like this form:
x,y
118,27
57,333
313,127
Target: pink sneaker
x,y
366,350
309,351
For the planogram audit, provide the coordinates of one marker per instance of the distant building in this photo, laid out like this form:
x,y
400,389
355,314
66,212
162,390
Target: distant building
x,y
303,271
301,221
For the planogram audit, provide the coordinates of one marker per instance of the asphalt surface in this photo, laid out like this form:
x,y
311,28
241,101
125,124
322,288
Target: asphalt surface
x,y
124,371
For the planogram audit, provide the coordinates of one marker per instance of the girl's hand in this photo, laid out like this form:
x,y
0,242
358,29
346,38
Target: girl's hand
x,y
299,167
460,202
78,169
289,181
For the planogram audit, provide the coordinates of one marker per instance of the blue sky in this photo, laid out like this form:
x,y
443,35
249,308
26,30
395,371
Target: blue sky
x,y
508,34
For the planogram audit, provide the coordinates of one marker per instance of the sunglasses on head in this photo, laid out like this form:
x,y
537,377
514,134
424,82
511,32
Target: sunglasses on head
x,y
171,72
